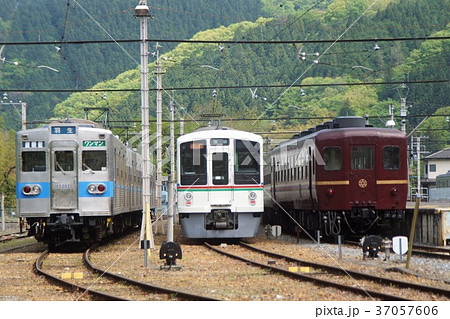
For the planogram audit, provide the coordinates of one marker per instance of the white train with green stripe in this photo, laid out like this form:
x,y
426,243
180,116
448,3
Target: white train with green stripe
x,y
220,183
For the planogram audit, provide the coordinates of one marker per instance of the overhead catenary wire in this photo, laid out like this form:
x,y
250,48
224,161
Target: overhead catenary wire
x,y
225,87
73,42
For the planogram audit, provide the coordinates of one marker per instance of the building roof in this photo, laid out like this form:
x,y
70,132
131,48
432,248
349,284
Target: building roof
x,y
443,154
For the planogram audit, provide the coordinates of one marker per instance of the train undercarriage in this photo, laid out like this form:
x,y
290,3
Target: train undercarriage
x,y
59,229
357,222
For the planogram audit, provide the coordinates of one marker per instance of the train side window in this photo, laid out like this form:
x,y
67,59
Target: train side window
x,y
391,157
332,157
193,163
246,157
220,168
93,160
63,161
33,162
362,157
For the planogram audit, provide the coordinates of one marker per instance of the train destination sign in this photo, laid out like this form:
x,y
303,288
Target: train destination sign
x,y
64,129
97,143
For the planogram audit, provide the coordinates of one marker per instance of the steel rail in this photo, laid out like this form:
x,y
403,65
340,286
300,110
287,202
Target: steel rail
x,y
94,293
420,250
145,286
322,282
356,274
12,236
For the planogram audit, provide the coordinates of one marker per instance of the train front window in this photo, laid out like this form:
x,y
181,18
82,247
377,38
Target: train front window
x,y
93,160
246,167
391,157
332,157
193,163
63,161
362,157
220,168
33,162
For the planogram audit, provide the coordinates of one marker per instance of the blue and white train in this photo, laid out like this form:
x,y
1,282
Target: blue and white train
x,y
220,183
76,182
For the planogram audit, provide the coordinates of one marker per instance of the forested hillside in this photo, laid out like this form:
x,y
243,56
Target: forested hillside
x,y
83,65
324,73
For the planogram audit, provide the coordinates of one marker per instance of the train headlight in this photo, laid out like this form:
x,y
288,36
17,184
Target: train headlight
x,y
36,189
92,188
330,192
188,196
394,191
252,195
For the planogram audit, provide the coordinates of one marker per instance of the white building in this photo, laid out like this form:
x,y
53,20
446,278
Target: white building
x,y
437,164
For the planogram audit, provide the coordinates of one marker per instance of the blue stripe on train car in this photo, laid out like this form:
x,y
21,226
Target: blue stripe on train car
x,y
45,190
83,189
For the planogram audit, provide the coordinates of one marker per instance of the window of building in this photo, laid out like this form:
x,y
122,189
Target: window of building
x,y
432,167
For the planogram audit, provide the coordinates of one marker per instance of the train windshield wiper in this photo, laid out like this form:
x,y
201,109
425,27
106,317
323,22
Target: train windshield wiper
x,y
60,168
89,169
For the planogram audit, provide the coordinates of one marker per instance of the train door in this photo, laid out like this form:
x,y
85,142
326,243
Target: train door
x,y
362,174
219,194
64,175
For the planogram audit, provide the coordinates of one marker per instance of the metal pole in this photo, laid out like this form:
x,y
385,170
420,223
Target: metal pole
x,y
24,116
159,139
403,113
3,212
141,11
418,166
172,158
170,209
181,123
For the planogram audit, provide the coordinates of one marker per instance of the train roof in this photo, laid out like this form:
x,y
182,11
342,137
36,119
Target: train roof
x,y
80,123
219,132
341,127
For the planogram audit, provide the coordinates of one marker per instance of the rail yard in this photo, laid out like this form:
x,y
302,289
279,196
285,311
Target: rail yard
x,y
297,271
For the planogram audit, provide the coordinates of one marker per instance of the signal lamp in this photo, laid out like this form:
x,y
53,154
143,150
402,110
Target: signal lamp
x,y
330,192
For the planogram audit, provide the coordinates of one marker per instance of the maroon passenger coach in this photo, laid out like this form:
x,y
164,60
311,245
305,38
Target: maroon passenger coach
x,y
340,177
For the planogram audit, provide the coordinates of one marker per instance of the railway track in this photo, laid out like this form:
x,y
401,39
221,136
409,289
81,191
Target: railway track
x,y
106,286
346,281
431,251
420,250
12,236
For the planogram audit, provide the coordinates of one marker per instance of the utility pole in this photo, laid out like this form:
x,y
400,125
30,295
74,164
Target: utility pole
x,y
142,11
23,109
159,139
403,113
403,91
170,182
